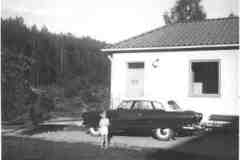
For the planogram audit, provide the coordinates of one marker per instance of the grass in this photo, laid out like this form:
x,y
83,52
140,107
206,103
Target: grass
x,y
16,148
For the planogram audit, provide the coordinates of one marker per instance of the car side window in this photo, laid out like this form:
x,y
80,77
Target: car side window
x,y
158,106
125,105
143,105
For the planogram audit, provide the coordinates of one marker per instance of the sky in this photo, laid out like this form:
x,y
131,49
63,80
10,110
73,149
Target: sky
x,y
106,20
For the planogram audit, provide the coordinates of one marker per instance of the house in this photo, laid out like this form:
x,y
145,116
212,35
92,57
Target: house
x,y
197,64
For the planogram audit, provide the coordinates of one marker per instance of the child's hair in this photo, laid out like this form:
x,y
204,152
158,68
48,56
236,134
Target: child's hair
x,y
103,112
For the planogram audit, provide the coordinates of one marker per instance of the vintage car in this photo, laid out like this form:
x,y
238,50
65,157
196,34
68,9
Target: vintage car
x,y
141,115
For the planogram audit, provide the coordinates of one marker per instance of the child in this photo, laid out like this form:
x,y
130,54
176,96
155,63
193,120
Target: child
x,y
103,129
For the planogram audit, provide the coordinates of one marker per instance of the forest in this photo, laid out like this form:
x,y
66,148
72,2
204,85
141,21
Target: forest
x,y
63,65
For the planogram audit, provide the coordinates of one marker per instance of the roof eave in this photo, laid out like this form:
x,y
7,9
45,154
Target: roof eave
x,y
175,48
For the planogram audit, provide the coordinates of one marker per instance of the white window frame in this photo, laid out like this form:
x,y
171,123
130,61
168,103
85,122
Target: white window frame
x,y
191,78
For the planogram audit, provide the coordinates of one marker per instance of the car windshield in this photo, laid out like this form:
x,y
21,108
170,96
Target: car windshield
x,y
174,107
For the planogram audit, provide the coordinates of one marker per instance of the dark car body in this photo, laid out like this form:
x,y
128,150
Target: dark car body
x,y
144,115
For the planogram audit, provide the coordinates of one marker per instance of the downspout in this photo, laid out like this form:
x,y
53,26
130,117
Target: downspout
x,y
110,57
238,82
110,80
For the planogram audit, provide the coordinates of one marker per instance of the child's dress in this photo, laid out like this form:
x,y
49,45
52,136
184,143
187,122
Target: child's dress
x,y
103,126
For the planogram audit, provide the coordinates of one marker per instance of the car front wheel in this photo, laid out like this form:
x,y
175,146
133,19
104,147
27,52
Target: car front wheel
x,y
163,134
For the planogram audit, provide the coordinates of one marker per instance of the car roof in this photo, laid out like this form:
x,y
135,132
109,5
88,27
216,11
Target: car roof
x,y
160,100
143,99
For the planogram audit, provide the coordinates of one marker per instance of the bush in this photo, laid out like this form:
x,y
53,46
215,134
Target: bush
x,y
74,86
41,109
70,92
97,98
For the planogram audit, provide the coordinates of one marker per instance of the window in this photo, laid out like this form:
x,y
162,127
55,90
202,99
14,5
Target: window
x,y
136,65
158,105
126,105
204,78
143,105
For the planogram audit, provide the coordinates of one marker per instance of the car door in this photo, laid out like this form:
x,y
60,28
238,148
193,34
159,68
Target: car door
x,y
122,117
163,118
151,115
141,114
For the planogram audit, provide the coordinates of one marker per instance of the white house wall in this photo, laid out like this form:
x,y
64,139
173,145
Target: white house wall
x,y
171,79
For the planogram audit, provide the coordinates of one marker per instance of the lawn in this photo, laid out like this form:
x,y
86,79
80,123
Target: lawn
x,y
18,148
15,148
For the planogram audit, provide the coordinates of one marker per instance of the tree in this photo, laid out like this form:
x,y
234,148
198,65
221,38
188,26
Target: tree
x,y
15,84
185,11
232,15
35,57
55,55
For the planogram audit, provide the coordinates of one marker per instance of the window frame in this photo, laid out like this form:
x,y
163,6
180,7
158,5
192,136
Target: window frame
x,y
190,92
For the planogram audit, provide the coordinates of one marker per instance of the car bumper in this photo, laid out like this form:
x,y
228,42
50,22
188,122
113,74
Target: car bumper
x,y
193,128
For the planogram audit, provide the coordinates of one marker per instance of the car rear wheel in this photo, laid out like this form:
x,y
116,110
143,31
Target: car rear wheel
x,y
163,134
93,132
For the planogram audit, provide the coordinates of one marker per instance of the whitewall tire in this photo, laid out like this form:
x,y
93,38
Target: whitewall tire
x,y
163,134
93,132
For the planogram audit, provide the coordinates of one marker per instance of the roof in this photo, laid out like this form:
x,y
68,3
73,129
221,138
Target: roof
x,y
222,31
141,99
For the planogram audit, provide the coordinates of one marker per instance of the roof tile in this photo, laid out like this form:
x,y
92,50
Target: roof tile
x,y
206,32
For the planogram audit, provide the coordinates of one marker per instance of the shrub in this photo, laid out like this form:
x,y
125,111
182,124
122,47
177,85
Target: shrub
x,y
73,86
41,109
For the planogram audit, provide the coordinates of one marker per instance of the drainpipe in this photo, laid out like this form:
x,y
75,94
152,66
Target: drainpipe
x,y
110,80
110,57
238,82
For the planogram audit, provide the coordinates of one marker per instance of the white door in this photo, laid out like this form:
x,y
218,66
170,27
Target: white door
x,y
135,80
